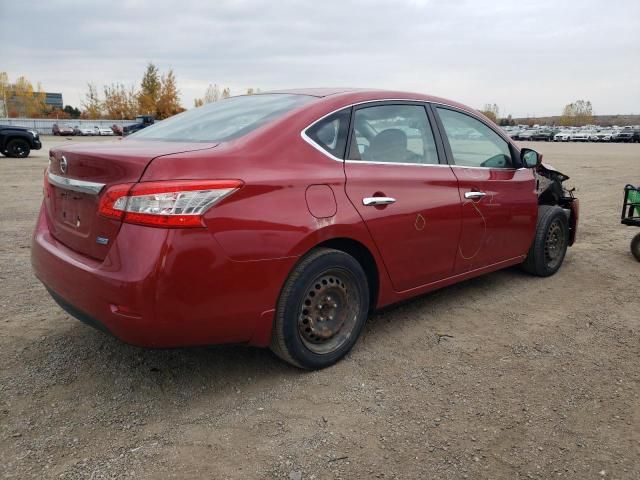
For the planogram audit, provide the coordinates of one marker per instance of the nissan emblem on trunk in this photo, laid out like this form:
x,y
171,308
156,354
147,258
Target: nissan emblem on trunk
x,y
63,165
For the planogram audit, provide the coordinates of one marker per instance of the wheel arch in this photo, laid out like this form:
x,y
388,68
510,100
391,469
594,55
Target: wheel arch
x,y
365,258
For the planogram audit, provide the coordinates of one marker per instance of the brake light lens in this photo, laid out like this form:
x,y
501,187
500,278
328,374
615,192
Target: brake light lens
x,y
173,204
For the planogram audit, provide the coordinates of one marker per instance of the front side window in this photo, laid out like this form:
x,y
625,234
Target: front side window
x,y
392,134
223,120
473,144
331,132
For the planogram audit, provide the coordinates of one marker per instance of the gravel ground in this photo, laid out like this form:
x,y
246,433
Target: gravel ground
x,y
504,376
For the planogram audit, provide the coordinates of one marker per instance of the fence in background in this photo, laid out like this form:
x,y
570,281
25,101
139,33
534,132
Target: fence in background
x,y
44,126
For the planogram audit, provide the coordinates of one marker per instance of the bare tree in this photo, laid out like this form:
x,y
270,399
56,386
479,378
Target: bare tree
x,y
212,94
578,113
491,111
4,93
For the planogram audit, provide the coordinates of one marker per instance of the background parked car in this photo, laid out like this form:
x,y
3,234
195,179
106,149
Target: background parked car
x,y
17,142
103,131
581,136
142,121
84,131
563,136
625,136
544,135
603,136
64,129
117,129
525,135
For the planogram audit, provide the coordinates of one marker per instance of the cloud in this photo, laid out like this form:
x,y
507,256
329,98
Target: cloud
x,y
529,58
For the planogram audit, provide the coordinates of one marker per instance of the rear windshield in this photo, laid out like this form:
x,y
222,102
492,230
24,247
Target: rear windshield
x,y
223,120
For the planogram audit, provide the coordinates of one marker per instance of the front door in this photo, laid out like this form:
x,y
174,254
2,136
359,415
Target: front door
x,y
407,198
499,202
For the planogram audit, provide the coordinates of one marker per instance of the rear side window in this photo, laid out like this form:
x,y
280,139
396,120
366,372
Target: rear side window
x,y
392,134
223,120
331,132
472,143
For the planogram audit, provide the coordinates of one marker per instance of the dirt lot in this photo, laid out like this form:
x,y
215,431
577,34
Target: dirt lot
x,y
505,376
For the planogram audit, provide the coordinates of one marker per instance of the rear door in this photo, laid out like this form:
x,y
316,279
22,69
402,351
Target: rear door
x,y
408,199
499,201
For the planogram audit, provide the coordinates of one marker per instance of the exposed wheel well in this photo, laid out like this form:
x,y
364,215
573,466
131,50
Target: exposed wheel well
x,y
362,254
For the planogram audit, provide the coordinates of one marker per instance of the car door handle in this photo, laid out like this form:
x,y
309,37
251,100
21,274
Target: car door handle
x,y
474,195
373,201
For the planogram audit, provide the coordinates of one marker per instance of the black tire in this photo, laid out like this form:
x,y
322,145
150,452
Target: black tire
x,y
550,242
301,335
18,148
635,246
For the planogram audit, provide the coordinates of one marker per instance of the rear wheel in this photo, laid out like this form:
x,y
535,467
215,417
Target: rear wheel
x,y
635,247
550,242
18,148
321,311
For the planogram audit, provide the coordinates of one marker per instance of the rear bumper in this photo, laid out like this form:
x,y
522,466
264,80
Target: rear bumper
x,y
80,315
163,288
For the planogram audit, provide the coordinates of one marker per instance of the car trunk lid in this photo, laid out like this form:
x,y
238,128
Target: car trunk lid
x,y
78,174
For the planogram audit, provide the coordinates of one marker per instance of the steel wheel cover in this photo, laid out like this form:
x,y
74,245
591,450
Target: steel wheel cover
x,y
329,311
554,243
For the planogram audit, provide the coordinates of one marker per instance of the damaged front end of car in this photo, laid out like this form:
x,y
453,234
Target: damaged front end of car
x,y
551,191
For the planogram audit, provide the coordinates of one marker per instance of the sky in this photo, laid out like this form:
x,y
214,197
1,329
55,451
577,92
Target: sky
x,y
531,58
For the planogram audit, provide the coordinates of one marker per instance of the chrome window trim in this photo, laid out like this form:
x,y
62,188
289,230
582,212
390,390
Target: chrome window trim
x,y
81,186
368,162
309,140
489,168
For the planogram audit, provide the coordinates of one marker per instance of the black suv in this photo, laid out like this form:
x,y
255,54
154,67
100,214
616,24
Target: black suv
x,y
17,142
142,121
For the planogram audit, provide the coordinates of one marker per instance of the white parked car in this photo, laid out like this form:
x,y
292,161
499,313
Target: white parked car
x,y
103,131
563,136
603,136
84,131
582,136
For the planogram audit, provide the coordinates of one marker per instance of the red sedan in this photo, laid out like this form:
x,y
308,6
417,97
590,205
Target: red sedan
x,y
282,219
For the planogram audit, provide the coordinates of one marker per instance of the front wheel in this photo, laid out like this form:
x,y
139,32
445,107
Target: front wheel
x,y
322,309
635,247
550,242
18,148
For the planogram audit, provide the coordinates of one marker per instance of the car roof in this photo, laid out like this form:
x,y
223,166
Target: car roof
x,y
314,91
358,95
369,93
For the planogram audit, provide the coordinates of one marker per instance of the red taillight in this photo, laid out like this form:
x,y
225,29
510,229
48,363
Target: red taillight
x,y
172,204
109,198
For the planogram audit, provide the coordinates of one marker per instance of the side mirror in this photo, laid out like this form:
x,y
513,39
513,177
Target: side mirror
x,y
530,158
